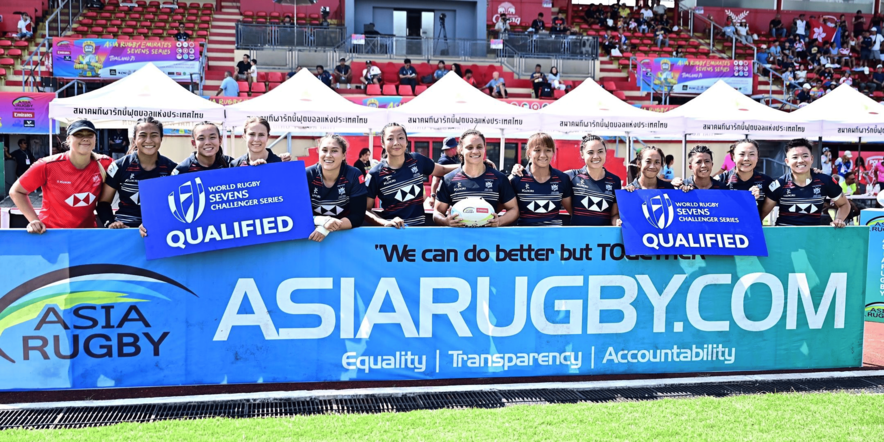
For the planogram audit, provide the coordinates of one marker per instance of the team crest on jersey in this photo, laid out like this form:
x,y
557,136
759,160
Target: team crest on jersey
x,y
609,187
96,179
341,190
554,187
489,185
816,190
414,169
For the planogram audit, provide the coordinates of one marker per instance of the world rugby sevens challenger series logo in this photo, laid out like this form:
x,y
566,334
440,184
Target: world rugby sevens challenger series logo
x,y
187,204
91,293
659,211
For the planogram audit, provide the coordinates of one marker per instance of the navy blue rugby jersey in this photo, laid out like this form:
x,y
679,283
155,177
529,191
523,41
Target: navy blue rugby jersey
x,y
716,185
124,175
662,185
593,200
492,186
337,201
401,190
540,203
802,205
191,164
732,181
244,160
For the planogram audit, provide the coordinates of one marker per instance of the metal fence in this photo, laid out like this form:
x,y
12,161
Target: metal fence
x,y
419,47
561,46
63,17
255,36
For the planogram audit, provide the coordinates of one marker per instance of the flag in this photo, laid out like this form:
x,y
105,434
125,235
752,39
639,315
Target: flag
x,y
824,32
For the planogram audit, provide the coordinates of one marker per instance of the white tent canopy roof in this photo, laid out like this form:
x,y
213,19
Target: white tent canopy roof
x,y
146,92
590,108
723,110
454,104
846,114
303,103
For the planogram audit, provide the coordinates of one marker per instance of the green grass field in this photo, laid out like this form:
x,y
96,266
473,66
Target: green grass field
x,y
773,417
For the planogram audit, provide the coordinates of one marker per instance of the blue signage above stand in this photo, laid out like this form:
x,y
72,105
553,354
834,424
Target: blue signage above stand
x,y
701,222
220,209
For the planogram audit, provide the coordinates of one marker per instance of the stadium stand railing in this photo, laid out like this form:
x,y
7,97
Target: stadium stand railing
x,y
260,36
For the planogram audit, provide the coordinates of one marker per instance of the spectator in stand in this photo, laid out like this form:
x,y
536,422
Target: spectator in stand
x,y
608,42
447,158
661,36
801,27
848,184
496,86
876,44
827,75
23,158
844,56
117,143
558,24
776,27
863,174
468,77
800,50
287,20
538,25
502,26
844,164
859,23
877,21
555,79
440,71
775,50
865,48
677,52
408,75
667,173
323,75
824,62
243,68
646,13
455,67
860,79
659,10
538,81
817,91
623,11
181,35
826,161
789,79
878,174
253,73
293,72
363,163
229,86
743,33
371,74
25,27
342,74
803,94
876,83
729,30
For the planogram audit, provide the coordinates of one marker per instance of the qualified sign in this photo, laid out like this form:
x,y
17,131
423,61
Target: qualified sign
x,y
703,222
226,208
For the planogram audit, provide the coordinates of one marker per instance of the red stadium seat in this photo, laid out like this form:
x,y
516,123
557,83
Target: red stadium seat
x,y
122,37
405,90
116,23
371,89
86,22
558,94
390,89
275,77
169,39
243,85
258,87
91,36
107,36
158,33
620,95
142,32
81,29
127,31
262,77
96,29
243,94
138,38
202,34
153,38
134,16
16,53
7,62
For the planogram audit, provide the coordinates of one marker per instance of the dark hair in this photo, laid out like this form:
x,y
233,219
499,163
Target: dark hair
x,y
364,151
255,60
247,56
22,140
147,120
468,71
860,160
588,138
252,120
407,61
220,153
798,142
440,61
538,66
391,125
659,151
337,139
697,150
668,160
733,147
850,174
540,14
319,66
543,139
465,134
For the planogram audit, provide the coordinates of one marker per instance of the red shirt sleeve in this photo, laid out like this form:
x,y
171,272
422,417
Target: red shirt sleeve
x,y
35,177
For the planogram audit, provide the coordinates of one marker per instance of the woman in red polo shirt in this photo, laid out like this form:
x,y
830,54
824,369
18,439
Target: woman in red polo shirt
x,y
71,183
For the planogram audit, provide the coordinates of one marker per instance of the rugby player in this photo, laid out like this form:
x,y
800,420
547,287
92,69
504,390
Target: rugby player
x,y
743,176
699,162
207,153
541,190
257,133
71,183
801,192
595,202
650,160
398,180
337,190
475,179
125,173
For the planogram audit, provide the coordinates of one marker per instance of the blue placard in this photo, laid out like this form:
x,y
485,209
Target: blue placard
x,y
702,222
84,309
220,209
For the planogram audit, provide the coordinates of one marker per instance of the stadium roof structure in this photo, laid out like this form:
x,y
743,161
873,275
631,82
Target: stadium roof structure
x,y
454,104
846,114
722,110
304,103
147,91
590,108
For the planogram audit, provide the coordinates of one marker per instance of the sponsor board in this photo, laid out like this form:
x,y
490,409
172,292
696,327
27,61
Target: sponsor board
x,y
693,76
24,112
374,304
874,219
111,58
710,222
224,208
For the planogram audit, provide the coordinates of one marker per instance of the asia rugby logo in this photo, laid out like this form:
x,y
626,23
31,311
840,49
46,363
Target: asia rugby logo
x,y
661,211
78,288
188,202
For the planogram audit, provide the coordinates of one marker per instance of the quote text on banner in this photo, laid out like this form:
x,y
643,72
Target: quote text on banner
x,y
224,208
704,222
85,309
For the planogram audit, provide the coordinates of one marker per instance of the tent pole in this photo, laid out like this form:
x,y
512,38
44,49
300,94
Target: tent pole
x,y
50,136
819,155
370,144
684,154
502,150
629,157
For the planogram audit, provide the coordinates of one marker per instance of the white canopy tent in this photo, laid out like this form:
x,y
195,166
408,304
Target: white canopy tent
x,y
146,92
722,110
590,108
846,115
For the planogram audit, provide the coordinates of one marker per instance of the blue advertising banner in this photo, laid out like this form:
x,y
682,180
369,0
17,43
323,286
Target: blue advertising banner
x,y
874,218
703,222
224,208
84,309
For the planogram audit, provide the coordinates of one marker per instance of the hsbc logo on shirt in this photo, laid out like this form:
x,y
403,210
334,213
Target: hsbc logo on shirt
x,y
80,199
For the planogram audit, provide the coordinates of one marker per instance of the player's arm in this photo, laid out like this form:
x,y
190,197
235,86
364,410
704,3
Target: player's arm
x,y
566,204
440,170
441,217
20,197
767,207
843,211
105,211
508,218
375,220
615,215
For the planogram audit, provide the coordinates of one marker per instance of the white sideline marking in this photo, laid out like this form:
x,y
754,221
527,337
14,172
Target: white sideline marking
x,y
404,391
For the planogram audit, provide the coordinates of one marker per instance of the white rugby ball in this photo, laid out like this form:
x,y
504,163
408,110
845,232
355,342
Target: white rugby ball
x,y
473,212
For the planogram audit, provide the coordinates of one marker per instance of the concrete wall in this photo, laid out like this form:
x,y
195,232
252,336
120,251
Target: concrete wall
x,y
465,18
